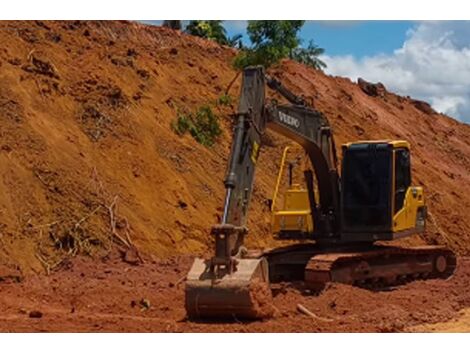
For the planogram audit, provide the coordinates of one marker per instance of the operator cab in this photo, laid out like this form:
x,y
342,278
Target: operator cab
x,y
377,199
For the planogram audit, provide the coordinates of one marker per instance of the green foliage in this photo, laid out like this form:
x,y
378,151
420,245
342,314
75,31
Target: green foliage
x,y
273,41
213,30
235,41
203,125
182,124
277,36
309,56
224,100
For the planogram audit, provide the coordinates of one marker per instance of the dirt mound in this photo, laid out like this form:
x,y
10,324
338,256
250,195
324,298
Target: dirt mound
x,y
89,158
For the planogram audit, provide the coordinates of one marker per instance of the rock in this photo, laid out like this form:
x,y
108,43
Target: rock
x,y
182,204
35,314
371,89
132,52
131,256
144,304
423,106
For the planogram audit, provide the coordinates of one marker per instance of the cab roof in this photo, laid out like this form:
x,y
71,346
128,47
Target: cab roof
x,y
393,143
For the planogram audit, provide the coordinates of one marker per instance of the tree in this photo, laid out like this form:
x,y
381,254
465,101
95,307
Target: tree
x,y
213,30
309,56
272,41
235,41
173,24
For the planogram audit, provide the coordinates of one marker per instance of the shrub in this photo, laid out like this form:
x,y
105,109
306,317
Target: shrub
x,y
203,125
224,100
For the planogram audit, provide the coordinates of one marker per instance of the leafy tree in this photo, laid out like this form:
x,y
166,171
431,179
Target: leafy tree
x,y
271,42
173,24
309,56
213,30
274,40
235,41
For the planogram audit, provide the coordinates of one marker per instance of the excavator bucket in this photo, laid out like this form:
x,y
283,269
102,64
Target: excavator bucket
x,y
243,294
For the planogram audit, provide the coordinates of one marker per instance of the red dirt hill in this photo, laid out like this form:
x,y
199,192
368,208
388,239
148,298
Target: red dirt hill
x,y
89,158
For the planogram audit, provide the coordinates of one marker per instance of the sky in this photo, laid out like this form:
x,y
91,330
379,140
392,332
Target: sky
x,y
427,60
357,38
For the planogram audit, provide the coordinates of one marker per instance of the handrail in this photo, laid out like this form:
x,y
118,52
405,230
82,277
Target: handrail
x,y
279,177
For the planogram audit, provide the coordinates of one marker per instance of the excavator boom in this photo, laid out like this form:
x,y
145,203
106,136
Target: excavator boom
x,y
229,284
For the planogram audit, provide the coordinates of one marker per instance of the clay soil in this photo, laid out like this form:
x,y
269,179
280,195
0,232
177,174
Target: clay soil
x,y
110,295
103,205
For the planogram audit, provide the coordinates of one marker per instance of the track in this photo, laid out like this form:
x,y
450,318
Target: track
x,y
380,266
368,266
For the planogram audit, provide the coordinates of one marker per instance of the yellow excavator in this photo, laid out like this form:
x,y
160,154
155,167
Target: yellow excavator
x,y
340,224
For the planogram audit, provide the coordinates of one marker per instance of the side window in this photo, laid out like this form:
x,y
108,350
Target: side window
x,y
402,177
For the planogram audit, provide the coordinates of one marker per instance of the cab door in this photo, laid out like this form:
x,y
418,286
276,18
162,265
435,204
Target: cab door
x,y
402,177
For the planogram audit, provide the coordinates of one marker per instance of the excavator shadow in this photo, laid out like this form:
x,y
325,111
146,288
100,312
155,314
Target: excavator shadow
x,y
283,288
226,320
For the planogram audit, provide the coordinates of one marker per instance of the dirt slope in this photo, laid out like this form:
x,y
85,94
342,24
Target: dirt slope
x,y
89,158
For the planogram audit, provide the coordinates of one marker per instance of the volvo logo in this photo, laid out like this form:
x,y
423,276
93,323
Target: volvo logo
x,y
289,120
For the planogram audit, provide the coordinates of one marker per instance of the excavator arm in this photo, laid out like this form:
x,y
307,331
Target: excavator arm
x,y
229,282
296,121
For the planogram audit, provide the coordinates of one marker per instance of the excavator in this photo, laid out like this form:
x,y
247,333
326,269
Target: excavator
x,y
337,224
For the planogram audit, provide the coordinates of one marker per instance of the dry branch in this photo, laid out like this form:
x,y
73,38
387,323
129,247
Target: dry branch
x,y
306,311
112,221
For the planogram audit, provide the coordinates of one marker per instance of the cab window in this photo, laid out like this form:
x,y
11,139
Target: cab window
x,y
402,177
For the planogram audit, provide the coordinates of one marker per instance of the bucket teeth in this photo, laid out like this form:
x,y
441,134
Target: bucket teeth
x,y
243,294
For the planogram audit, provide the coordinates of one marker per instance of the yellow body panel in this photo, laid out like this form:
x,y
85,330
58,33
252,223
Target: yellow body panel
x,y
296,214
405,218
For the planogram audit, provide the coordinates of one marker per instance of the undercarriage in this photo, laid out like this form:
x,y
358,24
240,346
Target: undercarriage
x,y
246,293
370,266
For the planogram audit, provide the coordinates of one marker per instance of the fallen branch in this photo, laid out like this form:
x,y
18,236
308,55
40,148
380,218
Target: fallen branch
x,y
79,222
30,55
113,214
227,90
41,179
180,280
112,221
39,89
305,311
45,225
46,265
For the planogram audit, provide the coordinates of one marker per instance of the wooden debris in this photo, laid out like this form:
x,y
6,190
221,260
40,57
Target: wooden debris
x,y
306,311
